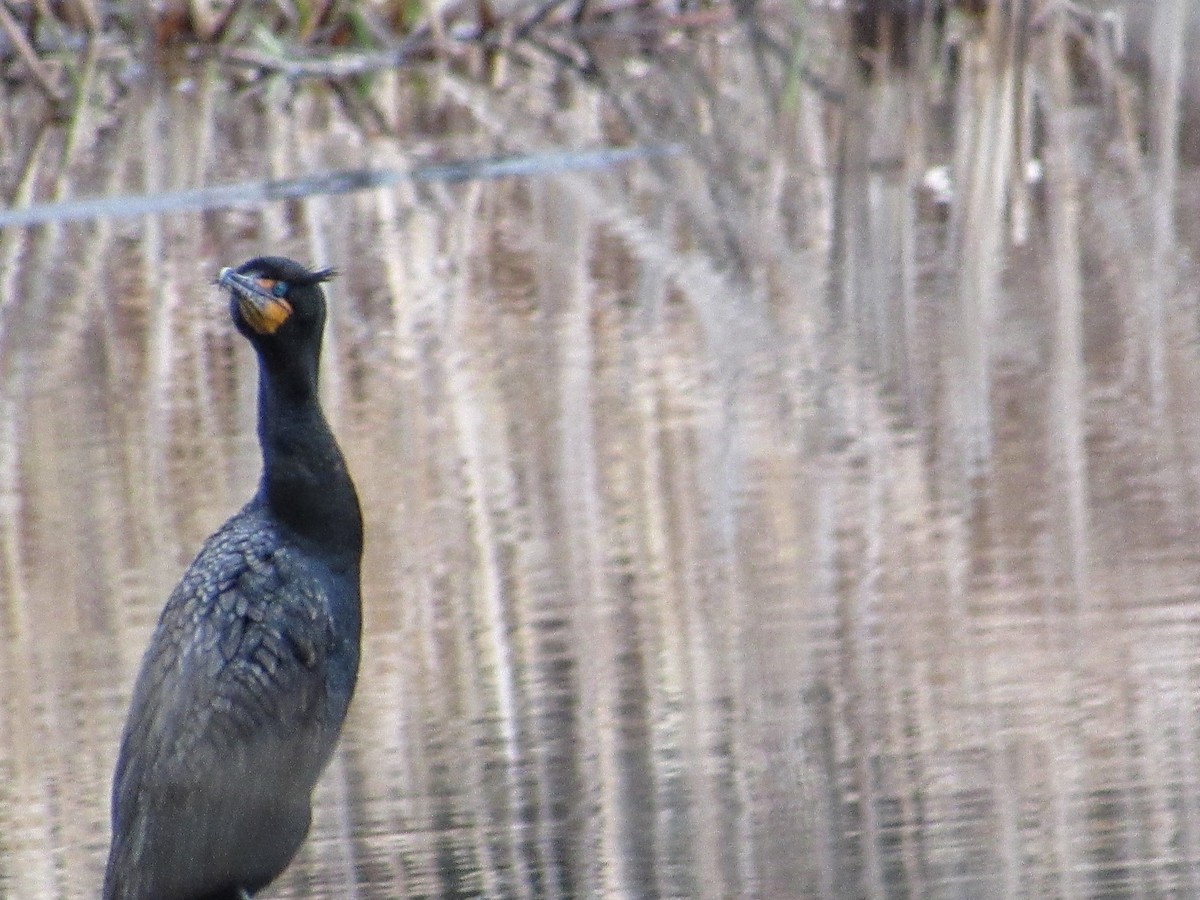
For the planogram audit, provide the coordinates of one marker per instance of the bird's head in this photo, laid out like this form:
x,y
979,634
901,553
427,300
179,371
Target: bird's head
x,y
275,301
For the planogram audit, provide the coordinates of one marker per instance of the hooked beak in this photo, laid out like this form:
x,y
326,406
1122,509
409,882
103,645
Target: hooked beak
x,y
262,311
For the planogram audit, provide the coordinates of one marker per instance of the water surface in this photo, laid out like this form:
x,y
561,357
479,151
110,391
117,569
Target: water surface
x,y
745,524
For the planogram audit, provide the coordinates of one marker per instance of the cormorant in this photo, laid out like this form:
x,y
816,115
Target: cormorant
x,y
248,676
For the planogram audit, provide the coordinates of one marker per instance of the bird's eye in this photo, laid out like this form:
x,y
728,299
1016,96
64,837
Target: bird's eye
x,y
280,288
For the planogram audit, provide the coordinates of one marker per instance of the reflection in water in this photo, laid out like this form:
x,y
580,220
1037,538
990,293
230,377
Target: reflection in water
x,y
734,529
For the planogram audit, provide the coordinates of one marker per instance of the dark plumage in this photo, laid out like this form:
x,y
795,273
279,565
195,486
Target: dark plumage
x,y
244,687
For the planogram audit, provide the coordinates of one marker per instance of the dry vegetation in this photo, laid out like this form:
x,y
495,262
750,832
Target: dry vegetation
x,y
810,513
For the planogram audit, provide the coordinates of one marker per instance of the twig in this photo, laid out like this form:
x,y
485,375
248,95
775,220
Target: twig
x,y
342,65
29,55
328,183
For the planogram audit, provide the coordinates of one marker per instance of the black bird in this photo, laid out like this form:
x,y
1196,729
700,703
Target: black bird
x,y
244,687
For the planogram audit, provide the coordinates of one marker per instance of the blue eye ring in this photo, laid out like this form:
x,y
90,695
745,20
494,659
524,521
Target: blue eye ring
x,y
280,288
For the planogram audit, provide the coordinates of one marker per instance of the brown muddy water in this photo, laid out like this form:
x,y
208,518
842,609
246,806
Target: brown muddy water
x,y
749,523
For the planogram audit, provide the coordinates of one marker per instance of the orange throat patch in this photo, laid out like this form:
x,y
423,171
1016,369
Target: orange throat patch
x,y
265,317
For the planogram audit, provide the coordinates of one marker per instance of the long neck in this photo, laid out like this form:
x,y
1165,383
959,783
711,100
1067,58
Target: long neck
x,y
305,483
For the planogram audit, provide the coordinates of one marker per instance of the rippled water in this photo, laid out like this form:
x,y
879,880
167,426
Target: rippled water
x,y
744,524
